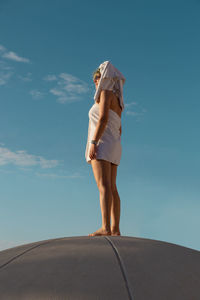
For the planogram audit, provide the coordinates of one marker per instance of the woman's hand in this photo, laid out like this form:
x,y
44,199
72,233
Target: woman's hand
x,y
93,151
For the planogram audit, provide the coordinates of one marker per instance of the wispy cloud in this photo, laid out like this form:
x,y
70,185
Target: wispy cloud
x,y
12,55
138,110
65,87
68,88
53,175
7,71
50,77
22,159
72,84
2,48
133,113
37,94
4,66
27,77
130,104
5,76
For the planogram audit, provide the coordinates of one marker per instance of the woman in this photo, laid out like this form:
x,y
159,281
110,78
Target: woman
x,y
103,150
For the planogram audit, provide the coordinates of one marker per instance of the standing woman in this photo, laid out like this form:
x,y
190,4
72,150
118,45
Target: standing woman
x,y
103,149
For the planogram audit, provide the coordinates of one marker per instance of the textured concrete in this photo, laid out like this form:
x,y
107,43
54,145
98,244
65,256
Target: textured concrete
x,y
103,268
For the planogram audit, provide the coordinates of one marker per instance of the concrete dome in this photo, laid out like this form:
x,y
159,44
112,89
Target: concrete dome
x,y
100,267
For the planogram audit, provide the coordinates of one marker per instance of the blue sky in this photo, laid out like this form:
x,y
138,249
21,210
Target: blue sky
x,y
48,51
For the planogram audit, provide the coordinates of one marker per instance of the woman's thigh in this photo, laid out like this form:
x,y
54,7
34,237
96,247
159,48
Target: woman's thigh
x,y
102,172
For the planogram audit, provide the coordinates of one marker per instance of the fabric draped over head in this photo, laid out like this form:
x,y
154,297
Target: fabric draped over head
x,y
111,79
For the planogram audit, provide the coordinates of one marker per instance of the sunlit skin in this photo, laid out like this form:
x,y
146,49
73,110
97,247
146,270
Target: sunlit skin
x,y
96,82
105,175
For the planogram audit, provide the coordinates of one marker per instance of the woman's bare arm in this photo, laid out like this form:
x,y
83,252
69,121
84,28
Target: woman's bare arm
x,y
120,130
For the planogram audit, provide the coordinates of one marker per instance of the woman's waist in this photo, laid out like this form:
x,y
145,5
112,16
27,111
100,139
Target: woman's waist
x,y
111,135
112,124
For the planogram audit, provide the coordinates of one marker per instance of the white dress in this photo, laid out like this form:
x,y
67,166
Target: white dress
x,y
109,145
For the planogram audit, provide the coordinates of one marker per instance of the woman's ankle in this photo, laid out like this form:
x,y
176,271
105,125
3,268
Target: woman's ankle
x,y
106,228
115,229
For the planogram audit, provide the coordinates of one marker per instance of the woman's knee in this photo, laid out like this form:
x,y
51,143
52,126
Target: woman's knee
x,y
114,188
104,185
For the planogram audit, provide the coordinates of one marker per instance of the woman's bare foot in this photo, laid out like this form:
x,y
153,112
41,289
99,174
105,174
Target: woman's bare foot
x,y
113,232
100,231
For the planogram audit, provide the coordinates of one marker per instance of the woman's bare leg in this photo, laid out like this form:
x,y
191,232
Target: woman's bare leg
x,y
102,171
115,213
115,206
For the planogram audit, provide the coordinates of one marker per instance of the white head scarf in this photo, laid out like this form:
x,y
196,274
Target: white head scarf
x,y
111,79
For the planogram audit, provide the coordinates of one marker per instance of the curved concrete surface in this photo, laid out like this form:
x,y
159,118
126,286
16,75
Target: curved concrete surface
x,y
100,268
